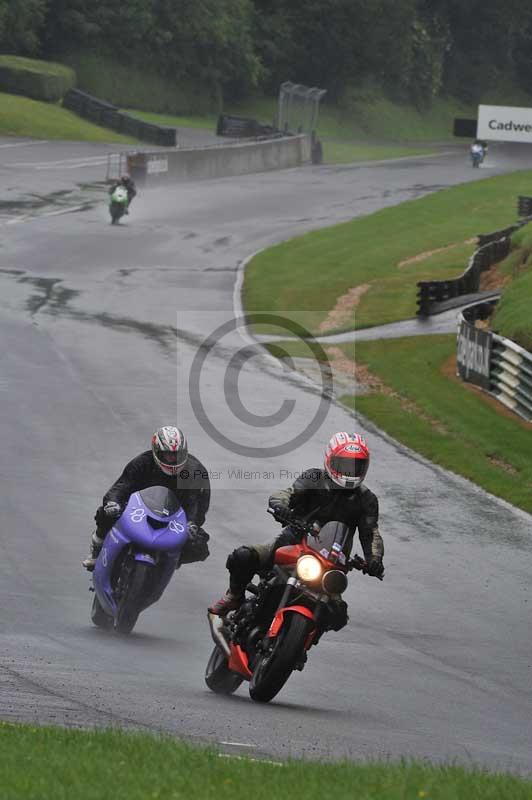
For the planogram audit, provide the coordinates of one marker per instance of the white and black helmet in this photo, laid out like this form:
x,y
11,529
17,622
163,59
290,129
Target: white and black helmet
x,y
169,448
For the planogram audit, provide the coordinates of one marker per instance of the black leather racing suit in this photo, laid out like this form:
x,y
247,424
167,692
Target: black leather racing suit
x,y
313,497
191,485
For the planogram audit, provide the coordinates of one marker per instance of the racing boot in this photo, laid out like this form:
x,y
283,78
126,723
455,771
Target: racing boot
x,y
229,602
96,546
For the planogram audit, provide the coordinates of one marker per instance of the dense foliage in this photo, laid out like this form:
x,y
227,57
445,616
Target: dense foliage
x,y
415,49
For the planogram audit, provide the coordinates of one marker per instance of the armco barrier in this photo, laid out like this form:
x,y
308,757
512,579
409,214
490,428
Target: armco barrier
x,y
493,247
110,116
218,161
498,365
524,206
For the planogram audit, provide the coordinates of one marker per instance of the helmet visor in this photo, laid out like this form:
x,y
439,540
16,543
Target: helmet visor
x,y
349,467
168,457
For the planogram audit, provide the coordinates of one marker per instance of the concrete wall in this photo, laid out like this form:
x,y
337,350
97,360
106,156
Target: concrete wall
x,y
166,166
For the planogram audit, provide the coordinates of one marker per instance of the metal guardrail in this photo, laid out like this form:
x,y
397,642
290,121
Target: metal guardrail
x,y
103,113
432,293
511,376
493,247
499,366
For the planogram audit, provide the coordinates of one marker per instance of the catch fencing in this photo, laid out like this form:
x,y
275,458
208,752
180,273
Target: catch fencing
x,y
496,364
102,113
436,296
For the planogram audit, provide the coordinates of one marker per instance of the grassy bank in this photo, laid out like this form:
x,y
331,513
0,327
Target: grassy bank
x,y
20,116
513,314
57,764
416,397
334,152
384,254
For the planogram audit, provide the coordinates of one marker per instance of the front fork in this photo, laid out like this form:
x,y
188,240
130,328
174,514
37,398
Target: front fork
x,y
278,618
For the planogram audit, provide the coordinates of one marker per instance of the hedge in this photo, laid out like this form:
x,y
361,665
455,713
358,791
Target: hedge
x,y
41,80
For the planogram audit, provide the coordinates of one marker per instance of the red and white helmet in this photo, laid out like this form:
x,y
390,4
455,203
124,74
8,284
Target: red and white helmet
x,y
169,448
347,459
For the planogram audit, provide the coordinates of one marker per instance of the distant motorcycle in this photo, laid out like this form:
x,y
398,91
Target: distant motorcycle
x,y
477,155
269,636
138,558
118,204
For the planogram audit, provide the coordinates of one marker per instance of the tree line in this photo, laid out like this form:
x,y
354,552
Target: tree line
x,y
414,49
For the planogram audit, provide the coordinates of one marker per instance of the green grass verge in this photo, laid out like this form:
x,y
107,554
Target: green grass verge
x,y
346,152
426,407
58,764
34,65
109,77
20,116
309,273
334,152
513,313
444,419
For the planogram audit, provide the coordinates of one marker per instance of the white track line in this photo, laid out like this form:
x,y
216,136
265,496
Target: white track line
x,y
238,744
29,217
24,144
246,758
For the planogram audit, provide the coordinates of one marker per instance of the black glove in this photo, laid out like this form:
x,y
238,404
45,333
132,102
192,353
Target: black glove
x,y
112,510
196,549
337,615
280,513
376,567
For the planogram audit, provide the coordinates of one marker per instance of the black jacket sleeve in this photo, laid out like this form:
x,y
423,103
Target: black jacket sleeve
x,y
131,480
368,525
195,491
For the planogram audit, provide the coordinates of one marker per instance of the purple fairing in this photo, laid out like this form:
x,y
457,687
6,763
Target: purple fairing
x,y
155,527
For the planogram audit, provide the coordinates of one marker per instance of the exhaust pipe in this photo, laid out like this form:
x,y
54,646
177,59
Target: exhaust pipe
x,y
216,624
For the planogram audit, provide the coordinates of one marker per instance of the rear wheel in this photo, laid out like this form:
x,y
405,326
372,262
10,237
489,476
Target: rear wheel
x,y
274,668
218,677
133,598
98,615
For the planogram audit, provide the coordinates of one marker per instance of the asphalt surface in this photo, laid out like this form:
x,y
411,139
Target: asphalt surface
x,y
436,660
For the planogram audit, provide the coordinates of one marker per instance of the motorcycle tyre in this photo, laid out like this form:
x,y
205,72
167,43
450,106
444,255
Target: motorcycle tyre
x,y
99,617
218,677
133,601
272,671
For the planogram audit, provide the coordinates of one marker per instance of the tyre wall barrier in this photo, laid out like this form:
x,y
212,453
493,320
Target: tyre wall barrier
x,y
102,113
499,366
465,127
243,127
493,247
218,161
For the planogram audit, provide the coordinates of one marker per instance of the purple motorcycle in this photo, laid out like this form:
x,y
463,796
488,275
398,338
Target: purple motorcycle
x,y
138,558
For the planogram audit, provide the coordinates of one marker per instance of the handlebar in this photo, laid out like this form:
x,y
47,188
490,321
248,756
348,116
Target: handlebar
x,y
288,519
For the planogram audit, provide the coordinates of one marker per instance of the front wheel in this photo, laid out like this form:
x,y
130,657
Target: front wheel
x,y
99,617
133,598
274,669
218,677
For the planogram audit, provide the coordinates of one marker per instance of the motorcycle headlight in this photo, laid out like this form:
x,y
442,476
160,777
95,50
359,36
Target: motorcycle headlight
x,y
309,569
334,582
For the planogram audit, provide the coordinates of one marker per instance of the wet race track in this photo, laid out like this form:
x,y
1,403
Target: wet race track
x,y
99,328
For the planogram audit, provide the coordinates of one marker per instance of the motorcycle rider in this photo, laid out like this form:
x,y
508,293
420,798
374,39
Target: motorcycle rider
x,y
317,496
169,464
129,185
478,148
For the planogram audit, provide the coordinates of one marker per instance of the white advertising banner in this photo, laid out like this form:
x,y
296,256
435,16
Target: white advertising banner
x,y
505,123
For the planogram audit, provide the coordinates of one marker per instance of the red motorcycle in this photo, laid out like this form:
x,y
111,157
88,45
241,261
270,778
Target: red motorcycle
x,y
290,608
